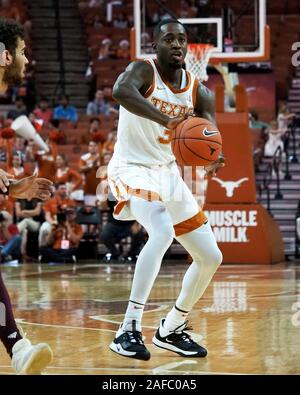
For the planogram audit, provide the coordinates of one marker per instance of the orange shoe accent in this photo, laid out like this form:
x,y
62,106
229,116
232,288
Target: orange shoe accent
x,y
190,224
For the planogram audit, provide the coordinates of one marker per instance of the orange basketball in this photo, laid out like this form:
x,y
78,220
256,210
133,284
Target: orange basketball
x,y
197,142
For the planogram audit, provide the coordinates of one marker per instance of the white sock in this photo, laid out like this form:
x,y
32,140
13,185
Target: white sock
x,y
134,312
175,318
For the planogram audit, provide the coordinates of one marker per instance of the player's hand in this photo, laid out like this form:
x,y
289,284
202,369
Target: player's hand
x,y
174,122
4,180
31,188
212,169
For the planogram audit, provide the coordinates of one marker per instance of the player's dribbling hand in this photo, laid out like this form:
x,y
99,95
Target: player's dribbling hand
x,y
212,169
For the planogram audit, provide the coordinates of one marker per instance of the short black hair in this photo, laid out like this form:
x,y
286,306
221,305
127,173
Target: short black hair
x,y
157,31
10,31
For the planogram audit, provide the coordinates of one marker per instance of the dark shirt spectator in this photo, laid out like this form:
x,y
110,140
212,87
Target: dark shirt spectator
x,y
20,109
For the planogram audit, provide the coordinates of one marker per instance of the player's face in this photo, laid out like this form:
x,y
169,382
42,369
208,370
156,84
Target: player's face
x,y
171,46
14,73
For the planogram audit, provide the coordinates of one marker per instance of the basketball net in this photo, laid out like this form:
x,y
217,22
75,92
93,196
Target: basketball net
x,y
197,59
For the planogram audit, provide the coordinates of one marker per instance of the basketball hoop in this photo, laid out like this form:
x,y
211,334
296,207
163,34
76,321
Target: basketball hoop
x,y
197,59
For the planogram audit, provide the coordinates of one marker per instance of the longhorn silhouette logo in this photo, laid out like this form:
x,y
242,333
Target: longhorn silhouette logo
x,y
230,186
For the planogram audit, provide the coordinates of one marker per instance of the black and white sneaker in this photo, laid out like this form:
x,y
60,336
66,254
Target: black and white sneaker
x,y
178,341
130,344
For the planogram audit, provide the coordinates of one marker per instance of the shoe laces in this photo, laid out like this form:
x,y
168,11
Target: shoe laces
x,y
179,333
135,337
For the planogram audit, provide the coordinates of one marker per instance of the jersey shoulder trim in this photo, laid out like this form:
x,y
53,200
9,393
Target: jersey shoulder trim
x,y
195,90
174,90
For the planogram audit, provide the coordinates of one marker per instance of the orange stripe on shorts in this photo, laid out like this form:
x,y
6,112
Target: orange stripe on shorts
x,y
190,224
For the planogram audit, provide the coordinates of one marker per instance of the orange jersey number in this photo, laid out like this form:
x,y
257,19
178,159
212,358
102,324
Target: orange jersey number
x,y
167,138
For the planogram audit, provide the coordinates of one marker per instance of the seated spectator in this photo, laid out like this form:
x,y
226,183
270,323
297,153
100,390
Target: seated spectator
x,y
94,133
63,238
70,177
52,207
105,50
123,51
88,166
97,22
16,167
29,215
120,21
10,10
20,109
114,231
95,3
6,208
108,146
10,240
100,106
64,111
274,139
43,111
20,147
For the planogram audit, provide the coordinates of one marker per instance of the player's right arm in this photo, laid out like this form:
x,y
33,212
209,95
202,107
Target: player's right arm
x,y
129,90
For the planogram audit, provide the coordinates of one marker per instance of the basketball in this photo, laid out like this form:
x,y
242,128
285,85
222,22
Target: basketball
x,y
197,142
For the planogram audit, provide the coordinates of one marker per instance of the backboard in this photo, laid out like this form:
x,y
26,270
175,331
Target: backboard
x,y
237,30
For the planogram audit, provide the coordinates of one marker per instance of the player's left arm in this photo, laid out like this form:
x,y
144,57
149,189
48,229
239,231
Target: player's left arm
x,y
205,103
205,108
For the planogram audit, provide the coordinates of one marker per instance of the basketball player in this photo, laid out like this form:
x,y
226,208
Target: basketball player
x,y
26,358
155,97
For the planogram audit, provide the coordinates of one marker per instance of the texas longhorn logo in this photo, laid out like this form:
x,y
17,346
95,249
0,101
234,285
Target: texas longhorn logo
x,y
230,186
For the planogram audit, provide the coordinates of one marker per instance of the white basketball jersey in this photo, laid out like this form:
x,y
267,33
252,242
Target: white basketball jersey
x,y
146,142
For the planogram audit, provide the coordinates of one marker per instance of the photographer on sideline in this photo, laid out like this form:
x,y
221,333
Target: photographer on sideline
x,y
54,205
63,238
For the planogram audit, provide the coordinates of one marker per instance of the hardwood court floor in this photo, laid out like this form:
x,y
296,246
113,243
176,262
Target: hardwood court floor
x,y
245,318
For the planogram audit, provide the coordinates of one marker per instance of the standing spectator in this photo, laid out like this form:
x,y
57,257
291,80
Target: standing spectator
x,y
10,240
99,105
284,117
46,164
29,215
52,207
43,111
70,177
274,140
20,109
88,166
64,111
